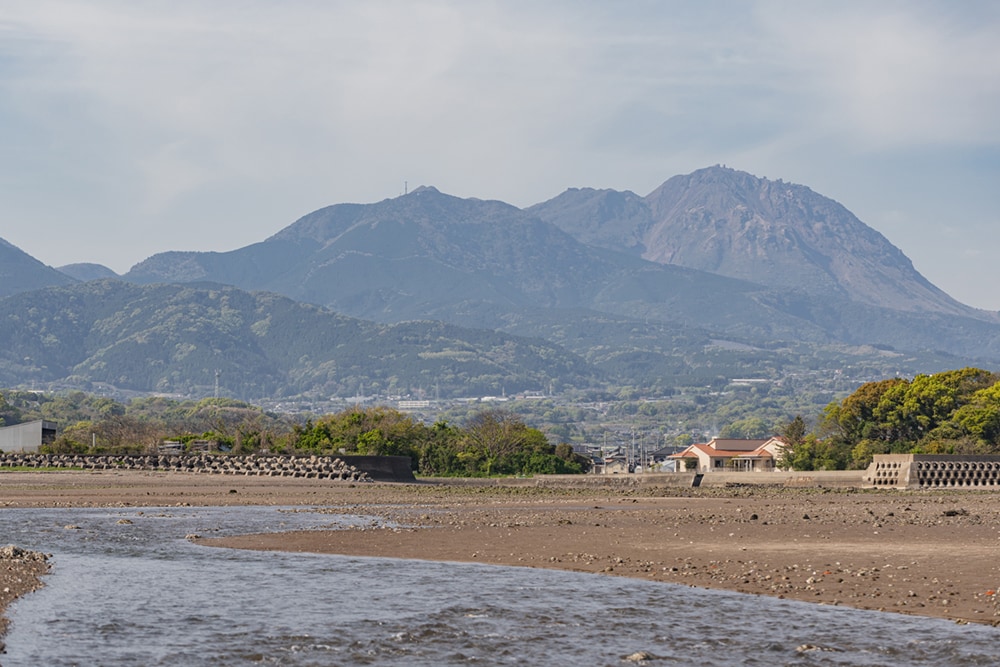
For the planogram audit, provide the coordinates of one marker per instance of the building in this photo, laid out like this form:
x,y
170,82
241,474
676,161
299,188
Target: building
x,y
27,437
731,455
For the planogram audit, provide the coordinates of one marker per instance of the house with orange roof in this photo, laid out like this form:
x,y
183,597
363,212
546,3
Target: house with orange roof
x,y
731,455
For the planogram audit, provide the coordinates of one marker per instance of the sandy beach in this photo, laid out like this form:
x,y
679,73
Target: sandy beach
x,y
925,553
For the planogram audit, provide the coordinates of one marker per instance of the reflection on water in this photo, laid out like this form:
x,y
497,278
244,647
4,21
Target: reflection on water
x,y
140,594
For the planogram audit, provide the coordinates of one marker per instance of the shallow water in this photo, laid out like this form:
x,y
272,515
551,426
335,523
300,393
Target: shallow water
x,y
140,594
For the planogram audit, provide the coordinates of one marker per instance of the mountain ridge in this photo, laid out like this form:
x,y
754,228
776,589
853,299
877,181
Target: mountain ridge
x,y
597,273
173,338
782,235
20,272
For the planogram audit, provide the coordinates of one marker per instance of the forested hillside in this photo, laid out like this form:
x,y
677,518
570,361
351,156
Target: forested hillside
x,y
20,272
179,338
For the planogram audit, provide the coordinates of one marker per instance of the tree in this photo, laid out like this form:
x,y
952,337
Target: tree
x,y
979,419
793,434
439,453
494,434
749,428
377,431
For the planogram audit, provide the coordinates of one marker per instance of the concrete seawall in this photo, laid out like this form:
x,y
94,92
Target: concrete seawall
x,y
383,468
349,468
397,469
819,478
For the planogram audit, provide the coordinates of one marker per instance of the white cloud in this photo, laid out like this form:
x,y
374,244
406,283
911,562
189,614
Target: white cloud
x,y
884,75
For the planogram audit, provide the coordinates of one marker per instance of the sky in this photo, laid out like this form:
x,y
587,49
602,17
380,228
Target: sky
x,y
134,127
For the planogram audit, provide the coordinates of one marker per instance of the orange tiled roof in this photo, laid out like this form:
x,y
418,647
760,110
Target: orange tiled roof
x,y
760,452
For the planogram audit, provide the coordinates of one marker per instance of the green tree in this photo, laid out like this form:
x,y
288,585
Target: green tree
x,y
748,428
377,431
793,434
979,419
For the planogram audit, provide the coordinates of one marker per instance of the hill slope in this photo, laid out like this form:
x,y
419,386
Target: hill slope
x,y
86,271
20,272
173,338
489,265
432,256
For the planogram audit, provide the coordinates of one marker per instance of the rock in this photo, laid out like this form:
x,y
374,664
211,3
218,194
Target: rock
x,y
12,552
808,648
640,657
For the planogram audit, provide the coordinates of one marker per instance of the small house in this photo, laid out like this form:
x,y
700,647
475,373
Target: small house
x,y
731,455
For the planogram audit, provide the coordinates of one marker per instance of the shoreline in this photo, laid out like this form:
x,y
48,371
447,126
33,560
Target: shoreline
x,y
20,573
928,553
925,556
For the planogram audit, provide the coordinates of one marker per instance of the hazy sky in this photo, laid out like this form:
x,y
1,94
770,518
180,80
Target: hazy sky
x,y
135,127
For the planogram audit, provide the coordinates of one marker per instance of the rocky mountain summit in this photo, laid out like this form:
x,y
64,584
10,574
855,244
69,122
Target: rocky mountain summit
x,y
773,233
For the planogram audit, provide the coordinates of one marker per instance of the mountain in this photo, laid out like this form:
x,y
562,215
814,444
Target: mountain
x,y
489,265
773,233
403,258
20,272
173,338
85,272
428,255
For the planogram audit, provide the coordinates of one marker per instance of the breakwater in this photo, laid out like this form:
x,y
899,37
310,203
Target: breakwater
x,y
317,467
933,471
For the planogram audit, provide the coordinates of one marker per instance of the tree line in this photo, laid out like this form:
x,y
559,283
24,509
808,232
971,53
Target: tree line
x,y
954,412
490,442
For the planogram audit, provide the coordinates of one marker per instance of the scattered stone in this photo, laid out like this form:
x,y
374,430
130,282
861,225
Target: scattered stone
x,y
640,657
808,648
12,552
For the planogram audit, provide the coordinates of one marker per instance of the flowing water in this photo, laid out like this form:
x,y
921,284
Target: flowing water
x,y
140,594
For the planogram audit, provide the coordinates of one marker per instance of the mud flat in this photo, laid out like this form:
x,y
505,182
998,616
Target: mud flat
x,y
929,553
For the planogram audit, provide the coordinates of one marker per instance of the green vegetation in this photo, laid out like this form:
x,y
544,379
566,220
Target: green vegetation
x,y
175,338
122,339
494,442
952,412
955,412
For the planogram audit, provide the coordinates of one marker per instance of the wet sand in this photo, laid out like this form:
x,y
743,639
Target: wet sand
x,y
927,553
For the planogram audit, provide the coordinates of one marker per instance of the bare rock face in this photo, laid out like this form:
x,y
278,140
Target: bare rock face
x,y
782,235
772,233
